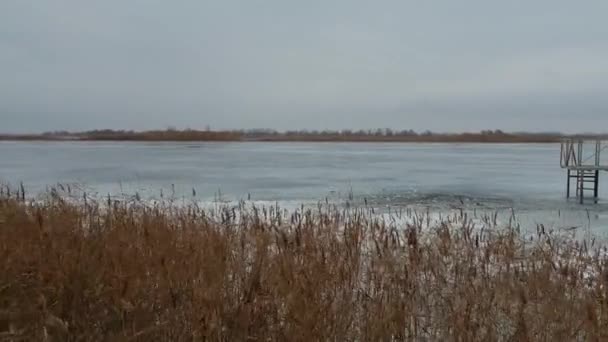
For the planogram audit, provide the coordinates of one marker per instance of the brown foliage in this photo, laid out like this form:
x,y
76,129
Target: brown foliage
x,y
132,272
385,135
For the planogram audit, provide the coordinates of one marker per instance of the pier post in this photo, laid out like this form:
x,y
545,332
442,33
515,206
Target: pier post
x,y
581,185
568,185
596,186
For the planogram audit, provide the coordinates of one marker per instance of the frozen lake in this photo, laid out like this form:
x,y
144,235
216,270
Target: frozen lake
x,y
522,177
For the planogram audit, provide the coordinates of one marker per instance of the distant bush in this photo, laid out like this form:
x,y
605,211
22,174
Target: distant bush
x,y
380,135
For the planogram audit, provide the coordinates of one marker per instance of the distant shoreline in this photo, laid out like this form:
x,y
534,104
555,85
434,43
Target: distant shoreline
x,y
377,136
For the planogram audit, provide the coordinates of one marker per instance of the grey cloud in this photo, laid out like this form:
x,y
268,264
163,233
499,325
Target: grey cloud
x,y
468,65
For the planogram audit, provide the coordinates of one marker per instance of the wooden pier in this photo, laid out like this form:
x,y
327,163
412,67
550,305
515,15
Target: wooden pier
x,y
582,158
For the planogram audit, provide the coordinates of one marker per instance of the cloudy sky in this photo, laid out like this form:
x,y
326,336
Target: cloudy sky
x,y
441,65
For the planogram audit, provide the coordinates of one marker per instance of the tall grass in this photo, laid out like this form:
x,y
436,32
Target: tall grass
x,y
132,272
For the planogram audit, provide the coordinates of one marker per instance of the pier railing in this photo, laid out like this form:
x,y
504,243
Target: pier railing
x,y
584,154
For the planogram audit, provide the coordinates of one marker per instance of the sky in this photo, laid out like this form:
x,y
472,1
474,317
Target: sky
x,y
445,66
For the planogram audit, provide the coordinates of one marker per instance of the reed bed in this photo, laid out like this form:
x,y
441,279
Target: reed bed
x,y
130,271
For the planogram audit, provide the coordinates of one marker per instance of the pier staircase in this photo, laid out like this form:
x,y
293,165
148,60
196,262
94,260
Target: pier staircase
x,y
584,159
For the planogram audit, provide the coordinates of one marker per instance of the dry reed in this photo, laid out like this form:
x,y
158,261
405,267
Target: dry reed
x,y
134,272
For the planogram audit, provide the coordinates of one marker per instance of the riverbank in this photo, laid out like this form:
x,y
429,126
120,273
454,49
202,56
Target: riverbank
x,y
293,136
127,270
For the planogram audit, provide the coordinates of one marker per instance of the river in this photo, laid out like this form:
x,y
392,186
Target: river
x,y
524,178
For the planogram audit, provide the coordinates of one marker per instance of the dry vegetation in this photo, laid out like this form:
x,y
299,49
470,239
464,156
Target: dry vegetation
x,y
122,271
380,135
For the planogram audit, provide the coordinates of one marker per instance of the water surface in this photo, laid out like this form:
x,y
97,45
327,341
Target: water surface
x,y
522,177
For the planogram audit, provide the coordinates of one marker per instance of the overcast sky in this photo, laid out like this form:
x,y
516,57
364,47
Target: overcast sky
x,y
441,65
